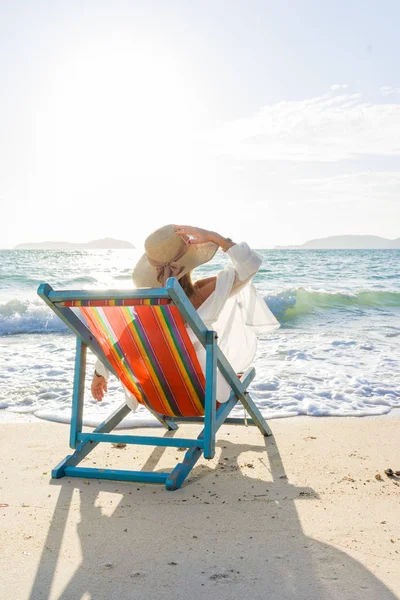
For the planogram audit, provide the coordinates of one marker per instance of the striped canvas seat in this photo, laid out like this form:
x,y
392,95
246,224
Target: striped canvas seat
x,y
148,345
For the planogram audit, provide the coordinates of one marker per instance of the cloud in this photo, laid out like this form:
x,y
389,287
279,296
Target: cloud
x,y
388,90
381,186
321,129
368,178
339,86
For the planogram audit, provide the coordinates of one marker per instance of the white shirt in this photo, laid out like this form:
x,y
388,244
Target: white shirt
x,y
236,311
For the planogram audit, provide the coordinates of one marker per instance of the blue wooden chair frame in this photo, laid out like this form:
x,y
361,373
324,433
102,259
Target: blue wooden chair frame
x,y
213,418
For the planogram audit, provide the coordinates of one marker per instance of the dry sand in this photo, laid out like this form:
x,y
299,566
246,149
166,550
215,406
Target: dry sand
x,y
300,516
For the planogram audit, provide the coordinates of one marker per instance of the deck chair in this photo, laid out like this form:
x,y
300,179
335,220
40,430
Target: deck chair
x,y
142,338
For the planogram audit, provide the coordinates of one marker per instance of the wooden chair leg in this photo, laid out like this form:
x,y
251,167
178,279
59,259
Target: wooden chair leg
x,y
256,415
84,448
181,471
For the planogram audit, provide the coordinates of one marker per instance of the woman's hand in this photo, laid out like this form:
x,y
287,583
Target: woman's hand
x,y
98,387
193,235
196,235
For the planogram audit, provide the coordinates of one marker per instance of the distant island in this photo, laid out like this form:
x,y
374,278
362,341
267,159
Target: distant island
x,y
347,242
104,244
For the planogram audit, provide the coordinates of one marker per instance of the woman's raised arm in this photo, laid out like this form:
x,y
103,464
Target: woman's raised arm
x,y
196,235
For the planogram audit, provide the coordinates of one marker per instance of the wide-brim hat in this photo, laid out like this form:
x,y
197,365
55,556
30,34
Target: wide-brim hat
x,y
168,255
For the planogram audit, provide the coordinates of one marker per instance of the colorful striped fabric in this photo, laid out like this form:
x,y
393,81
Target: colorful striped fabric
x,y
151,352
117,302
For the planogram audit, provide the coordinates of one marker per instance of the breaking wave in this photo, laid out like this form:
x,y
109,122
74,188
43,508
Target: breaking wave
x,y
24,316
294,302
33,316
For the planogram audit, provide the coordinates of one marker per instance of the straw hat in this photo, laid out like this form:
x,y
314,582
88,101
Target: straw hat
x,y
167,255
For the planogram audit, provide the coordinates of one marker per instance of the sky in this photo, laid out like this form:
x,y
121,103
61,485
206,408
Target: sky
x,y
269,122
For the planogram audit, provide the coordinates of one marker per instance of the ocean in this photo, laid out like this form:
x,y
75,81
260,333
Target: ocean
x,y
335,354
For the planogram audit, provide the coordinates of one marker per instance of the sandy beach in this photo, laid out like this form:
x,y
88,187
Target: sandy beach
x,y
300,515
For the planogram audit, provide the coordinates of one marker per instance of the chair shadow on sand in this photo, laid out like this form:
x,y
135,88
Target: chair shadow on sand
x,y
256,549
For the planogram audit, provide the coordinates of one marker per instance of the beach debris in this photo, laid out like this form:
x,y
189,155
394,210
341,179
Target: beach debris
x,y
282,476
389,472
118,445
173,563
397,473
27,553
3,505
347,478
378,477
108,565
217,576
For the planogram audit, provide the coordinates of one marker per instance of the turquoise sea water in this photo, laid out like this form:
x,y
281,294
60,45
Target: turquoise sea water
x,y
336,353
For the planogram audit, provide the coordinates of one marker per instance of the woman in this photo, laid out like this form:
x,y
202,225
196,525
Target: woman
x,y
228,303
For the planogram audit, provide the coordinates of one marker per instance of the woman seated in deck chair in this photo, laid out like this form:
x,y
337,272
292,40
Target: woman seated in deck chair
x,y
227,303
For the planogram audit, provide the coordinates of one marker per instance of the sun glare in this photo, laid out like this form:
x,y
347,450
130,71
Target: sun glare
x,y
116,107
